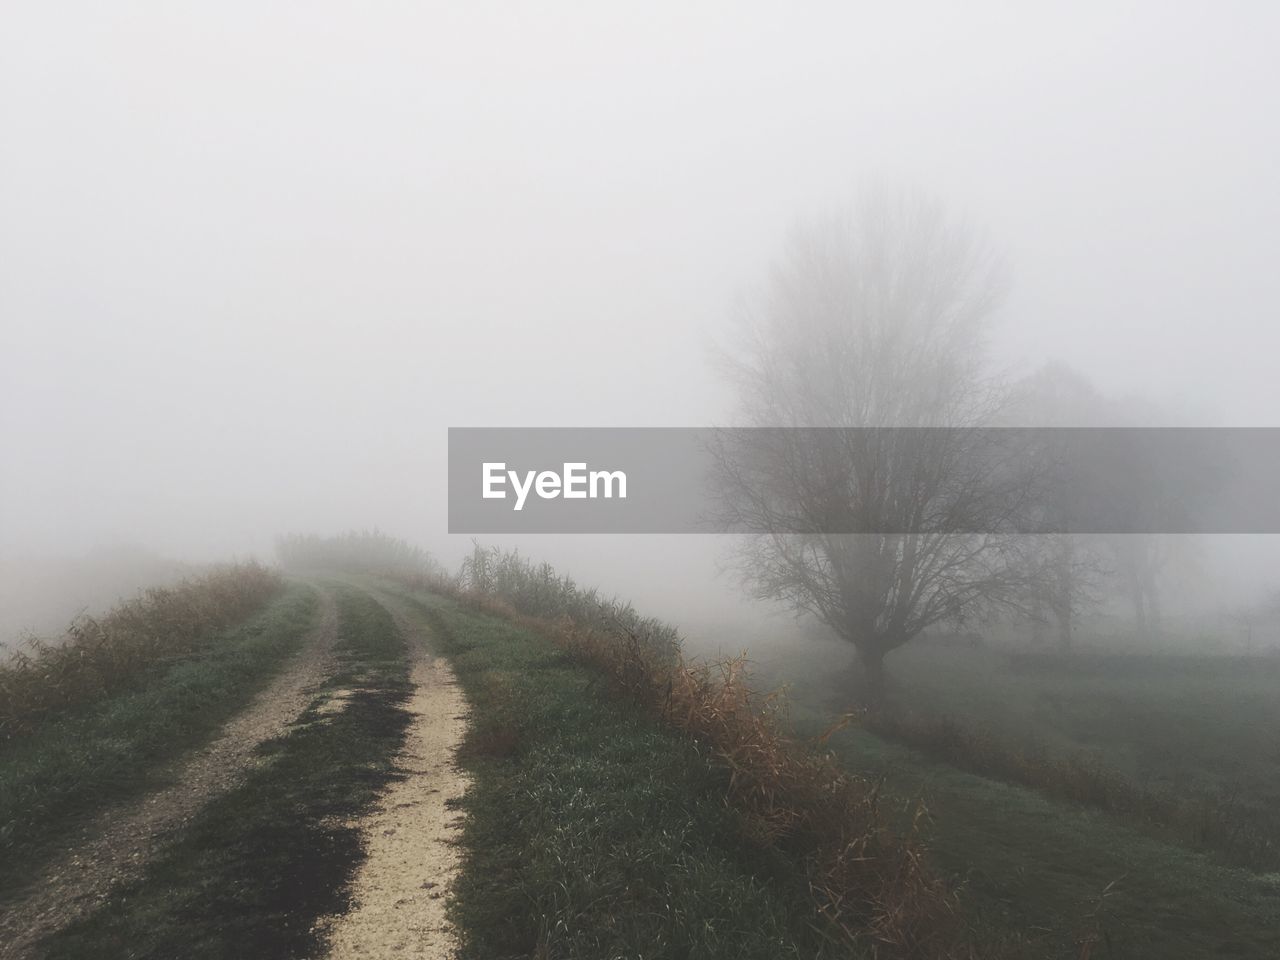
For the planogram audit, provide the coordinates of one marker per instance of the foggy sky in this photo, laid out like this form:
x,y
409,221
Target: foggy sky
x,y
256,258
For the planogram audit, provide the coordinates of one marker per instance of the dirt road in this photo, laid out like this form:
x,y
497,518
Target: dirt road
x,y
120,842
398,896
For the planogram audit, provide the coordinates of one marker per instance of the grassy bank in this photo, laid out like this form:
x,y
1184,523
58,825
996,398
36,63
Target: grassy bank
x,y
868,881
592,831
1052,878
1182,746
1038,856
1067,876
79,761
260,864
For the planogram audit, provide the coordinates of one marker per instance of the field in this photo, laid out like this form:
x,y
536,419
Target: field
x,y
1124,801
231,792
590,829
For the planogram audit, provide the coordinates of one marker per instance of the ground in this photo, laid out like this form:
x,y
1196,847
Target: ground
x,y
366,771
319,812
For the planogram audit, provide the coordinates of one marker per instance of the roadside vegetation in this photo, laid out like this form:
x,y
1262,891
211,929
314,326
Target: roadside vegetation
x,y
261,864
1055,871
57,774
868,886
594,831
101,656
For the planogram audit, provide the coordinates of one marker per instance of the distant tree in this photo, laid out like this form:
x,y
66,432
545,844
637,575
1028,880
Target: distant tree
x,y
1068,579
1122,484
874,318
1071,571
1139,561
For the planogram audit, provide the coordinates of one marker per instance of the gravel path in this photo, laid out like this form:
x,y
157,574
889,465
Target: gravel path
x,y
118,844
398,896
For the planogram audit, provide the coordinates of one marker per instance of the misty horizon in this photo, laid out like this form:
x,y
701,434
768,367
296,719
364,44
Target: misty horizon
x,y
256,264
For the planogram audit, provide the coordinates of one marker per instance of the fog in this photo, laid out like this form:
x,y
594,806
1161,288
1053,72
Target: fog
x,y
256,259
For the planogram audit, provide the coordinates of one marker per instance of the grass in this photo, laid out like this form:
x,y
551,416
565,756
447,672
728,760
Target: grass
x,y
259,865
1078,880
73,766
1182,745
600,824
100,657
1197,725
1059,879
871,885
594,832
1035,864
1241,834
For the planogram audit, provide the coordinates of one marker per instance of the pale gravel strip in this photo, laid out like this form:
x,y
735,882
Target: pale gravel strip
x,y
117,846
400,890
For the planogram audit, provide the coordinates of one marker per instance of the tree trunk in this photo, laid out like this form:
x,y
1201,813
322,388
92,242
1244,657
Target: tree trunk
x,y
1152,593
1140,611
1067,633
1037,620
869,688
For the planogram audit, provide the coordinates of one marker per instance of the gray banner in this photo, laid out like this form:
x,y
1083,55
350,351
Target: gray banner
x,y
817,481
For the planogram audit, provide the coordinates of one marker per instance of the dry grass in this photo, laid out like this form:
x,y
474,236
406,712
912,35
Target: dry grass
x,y
98,656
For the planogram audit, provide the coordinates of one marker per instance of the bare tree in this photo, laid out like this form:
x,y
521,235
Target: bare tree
x,y
1068,575
1076,571
1140,560
1071,570
873,319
